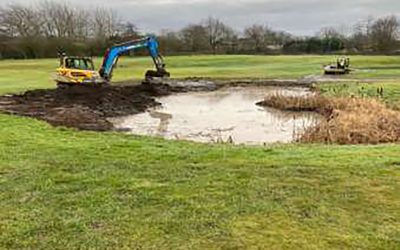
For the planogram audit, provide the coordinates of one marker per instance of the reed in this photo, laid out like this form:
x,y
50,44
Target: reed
x,y
345,120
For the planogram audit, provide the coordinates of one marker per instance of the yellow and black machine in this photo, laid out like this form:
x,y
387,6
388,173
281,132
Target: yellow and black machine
x,y
341,67
74,70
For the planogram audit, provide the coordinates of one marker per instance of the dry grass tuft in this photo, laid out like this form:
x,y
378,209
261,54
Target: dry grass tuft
x,y
347,120
294,103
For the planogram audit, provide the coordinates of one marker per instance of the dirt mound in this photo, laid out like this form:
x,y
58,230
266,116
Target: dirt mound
x,y
85,107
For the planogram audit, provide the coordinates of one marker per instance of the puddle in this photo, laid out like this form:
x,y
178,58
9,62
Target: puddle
x,y
226,115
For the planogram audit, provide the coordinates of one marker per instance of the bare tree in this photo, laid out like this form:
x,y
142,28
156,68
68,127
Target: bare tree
x,y
218,33
59,19
19,20
256,34
81,24
195,37
262,37
330,33
105,23
360,40
129,31
170,42
37,30
332,40
384,32
3,27
282,37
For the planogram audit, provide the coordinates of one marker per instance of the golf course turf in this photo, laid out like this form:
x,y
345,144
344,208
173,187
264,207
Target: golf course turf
x,y
69,189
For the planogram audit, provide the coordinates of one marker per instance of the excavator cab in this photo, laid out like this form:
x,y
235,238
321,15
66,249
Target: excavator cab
x,y
81,63
74,70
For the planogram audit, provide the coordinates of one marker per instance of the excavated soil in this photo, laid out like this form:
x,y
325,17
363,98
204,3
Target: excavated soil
x,y
88,108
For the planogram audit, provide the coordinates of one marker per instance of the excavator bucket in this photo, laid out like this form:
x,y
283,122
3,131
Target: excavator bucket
x,y
151,74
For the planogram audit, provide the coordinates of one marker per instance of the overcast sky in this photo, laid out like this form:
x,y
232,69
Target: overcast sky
x,y
301,17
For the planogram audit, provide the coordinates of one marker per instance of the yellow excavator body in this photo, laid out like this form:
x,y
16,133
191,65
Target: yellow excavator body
x,y
77,71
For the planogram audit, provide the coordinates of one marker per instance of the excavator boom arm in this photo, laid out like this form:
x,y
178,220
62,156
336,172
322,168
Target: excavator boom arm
x,y
113,53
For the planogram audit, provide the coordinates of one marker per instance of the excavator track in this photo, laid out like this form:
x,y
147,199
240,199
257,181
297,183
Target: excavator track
x,y
64,85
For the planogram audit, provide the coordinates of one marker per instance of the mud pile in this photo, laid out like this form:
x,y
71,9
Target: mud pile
x,y
87,108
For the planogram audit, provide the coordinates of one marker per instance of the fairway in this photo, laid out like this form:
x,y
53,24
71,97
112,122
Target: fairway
x,y
68,189
19,75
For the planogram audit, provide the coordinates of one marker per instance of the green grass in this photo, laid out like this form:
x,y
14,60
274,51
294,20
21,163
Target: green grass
x,y
388,92
67,189
19,75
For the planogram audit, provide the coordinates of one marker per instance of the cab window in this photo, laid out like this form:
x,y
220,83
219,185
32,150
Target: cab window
x,y
79,63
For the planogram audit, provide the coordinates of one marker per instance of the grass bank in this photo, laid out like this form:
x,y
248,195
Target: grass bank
x,y
386,91
67,189
19,75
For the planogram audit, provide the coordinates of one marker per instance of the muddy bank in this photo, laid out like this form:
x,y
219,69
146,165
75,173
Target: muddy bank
x,y
88,108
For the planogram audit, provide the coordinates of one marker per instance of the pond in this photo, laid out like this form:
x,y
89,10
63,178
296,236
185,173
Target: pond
x,y
227,115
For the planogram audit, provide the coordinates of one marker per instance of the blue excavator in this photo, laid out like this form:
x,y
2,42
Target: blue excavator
x,y
75,70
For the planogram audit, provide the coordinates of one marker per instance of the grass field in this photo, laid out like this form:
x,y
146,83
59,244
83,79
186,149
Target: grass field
x,y
18,75
67,189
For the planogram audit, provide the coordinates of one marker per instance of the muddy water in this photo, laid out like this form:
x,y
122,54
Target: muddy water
x,y
226,115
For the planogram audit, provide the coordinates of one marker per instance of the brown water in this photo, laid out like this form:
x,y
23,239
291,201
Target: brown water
x,y
226,115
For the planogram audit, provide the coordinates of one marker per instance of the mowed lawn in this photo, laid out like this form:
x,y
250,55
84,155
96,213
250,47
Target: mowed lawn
x,y
19,75
67,189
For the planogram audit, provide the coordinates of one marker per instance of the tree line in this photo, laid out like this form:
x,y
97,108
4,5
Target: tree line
x,y
41,30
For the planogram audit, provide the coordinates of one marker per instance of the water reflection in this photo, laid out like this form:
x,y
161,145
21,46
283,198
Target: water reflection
x,y
227,115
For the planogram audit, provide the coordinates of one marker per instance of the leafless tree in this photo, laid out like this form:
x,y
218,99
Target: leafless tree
x,y
217,33
81,23
360,39
170,42
256,34
262,36
105,23
3,27
129,31
33,30
330,33
282,37
384,32
194,36
59,19
37,30
19,20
